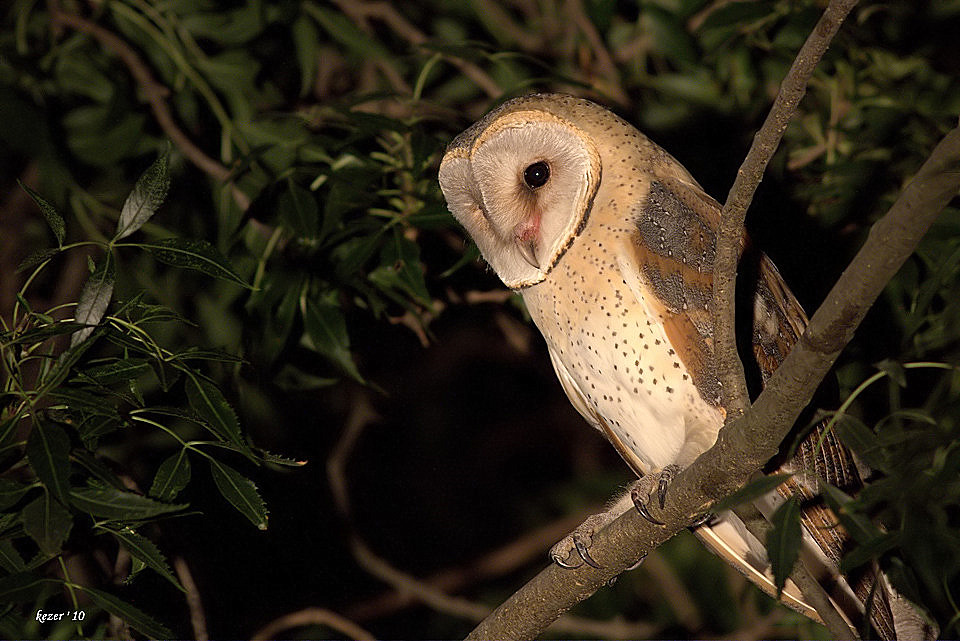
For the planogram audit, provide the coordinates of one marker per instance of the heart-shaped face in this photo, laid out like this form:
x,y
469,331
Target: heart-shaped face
x,y
522,186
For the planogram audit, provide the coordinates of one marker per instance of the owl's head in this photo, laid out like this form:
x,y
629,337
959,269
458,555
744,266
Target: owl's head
x,y
522,181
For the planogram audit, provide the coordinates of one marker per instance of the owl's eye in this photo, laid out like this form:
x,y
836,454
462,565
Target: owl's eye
x,y
536,175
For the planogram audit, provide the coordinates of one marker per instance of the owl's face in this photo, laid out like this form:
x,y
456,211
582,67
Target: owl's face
x,y
522,181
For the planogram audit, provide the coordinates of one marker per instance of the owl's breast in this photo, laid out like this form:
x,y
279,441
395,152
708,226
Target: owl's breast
x,y
618,366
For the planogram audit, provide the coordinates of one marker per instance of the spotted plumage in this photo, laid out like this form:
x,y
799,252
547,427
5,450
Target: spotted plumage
x,y
610,242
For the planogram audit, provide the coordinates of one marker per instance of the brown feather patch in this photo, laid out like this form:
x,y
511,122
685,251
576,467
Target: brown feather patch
x,y
673,245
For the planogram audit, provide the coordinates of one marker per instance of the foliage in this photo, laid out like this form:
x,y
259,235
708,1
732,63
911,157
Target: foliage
x,y
304,138
61,406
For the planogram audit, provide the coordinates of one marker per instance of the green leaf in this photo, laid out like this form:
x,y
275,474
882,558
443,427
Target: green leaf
x,y
401,269
111,503
894,370
47,522
142,548
81,399
92,426
64,366
240,492
752,490
193,254
199,354
871,550
48,450
147,196
860,528
210,405
172,476
54,219
306,41
327,330
25,587
10,559
36,258
276,459
861,439
470,254
783,541
136,617
11,493
41,333
299,211
97,469
341,29
94,300
118,370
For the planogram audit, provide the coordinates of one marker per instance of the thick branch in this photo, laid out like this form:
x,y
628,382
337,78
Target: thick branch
x,y
747,443
728,366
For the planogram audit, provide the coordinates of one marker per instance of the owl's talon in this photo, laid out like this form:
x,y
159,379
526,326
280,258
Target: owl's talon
x,y
562,562
583,551
637,564
641,506
666,478
703,519
579,541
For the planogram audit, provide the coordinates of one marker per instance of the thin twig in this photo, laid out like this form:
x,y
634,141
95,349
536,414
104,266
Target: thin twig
x,y
431,595
156,95
496,563
198,618
608,69
312,616
359,11
729,369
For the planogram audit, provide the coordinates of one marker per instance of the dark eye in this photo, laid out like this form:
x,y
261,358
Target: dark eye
x,y
536,175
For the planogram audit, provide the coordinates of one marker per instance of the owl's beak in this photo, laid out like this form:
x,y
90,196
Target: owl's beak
x,y
525,236
528,249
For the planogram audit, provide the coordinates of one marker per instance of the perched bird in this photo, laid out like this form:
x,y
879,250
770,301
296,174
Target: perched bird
x,y
610,242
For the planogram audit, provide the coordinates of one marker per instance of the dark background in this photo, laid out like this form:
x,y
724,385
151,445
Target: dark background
x,y
463,440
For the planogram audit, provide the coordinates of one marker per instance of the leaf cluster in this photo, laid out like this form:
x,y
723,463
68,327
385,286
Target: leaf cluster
x,y
63,404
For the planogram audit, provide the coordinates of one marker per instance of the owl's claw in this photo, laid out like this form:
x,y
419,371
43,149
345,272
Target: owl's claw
x,y
577,543
636,495
666,476
561,561
656,483
703,519
581,547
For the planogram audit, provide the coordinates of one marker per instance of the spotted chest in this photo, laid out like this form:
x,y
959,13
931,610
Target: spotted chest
x,y
606,336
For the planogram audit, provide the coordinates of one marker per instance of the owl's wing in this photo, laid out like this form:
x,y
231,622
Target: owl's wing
x,y
673,252
778,322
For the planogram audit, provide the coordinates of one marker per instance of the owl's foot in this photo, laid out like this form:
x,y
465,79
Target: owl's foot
x,y
643,491
577,543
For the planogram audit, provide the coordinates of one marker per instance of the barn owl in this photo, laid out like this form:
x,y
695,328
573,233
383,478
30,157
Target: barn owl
x,y
610,242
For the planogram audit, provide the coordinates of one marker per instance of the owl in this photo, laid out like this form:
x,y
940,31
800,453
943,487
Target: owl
x,y
610,242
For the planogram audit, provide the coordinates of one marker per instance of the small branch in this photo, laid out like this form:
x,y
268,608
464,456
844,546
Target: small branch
x,y
729,369
198,618
747,443
313,616
360,11
431,594
156,95
608,69
504,560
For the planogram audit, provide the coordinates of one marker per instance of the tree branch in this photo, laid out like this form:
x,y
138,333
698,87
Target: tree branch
x,y
156,95
729,369
747,443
